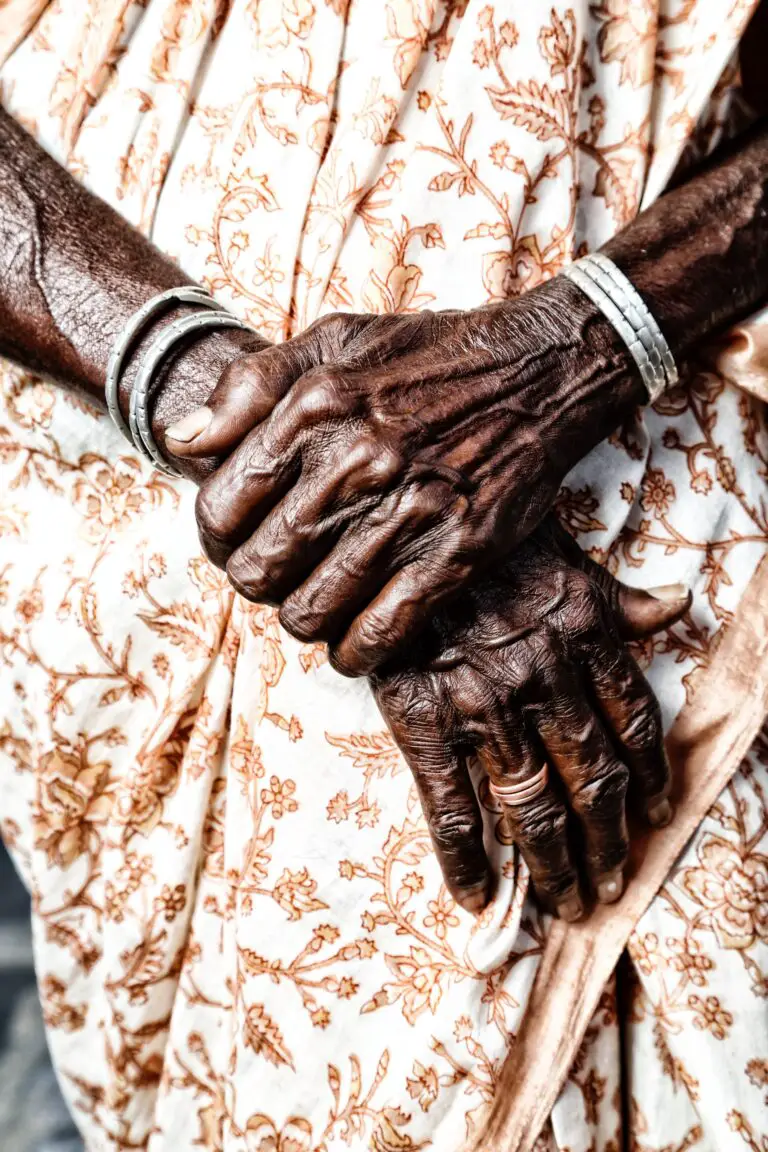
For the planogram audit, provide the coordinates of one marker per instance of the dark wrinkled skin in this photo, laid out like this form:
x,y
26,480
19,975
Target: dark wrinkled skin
x,y
525,668
409,453
426,448
73,272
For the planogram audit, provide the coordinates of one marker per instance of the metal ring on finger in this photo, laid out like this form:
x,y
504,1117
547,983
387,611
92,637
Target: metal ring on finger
x,y
515,795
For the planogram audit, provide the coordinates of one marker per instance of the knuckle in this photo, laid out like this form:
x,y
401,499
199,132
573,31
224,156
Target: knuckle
x,y
333,328
216,542
300,619
209,513
584,610
319,395
371,633
542,841
251,581
347,660
451,830
539,669
581,587
541,827
376,462
643,733
602,795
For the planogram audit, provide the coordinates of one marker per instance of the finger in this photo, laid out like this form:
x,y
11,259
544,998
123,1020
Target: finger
x,y
300,532
423,731
251,386
360,564
233,502
637,612
631,713
539,826
579,750
402,609
641,613
246,392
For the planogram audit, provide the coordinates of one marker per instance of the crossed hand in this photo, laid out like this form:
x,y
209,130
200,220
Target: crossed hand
x,y
386,480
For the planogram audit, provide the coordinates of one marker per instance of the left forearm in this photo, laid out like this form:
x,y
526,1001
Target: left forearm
x,y
699,255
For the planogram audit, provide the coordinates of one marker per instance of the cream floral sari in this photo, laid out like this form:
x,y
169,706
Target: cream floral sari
x,y
242,939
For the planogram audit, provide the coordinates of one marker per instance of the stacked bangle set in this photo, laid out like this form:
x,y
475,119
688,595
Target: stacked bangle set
x,y
210,316
597,277
621,304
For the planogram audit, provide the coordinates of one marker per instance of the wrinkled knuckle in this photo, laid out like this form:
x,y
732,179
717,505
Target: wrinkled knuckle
x,y
319,395
349,659
300,620
538,671
643,733
335,325
580,585
251,581
542,840
377,462
603,794
585,604
371,633
542,829
452,830
212,522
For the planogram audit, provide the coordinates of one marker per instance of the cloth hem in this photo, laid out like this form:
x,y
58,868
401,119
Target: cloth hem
x,y
706,745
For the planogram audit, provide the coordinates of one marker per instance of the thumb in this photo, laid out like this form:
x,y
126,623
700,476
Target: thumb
x,y
246,392
636,612
640,613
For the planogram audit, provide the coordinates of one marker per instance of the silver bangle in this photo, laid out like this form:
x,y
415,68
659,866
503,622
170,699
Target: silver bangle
x,y
616,297
602,269
185,294
140,429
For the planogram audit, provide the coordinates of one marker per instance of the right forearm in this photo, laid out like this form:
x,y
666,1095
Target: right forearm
x,y
699,255
72,272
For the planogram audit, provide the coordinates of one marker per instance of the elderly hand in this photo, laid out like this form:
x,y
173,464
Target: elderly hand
x,y
407,453
526,669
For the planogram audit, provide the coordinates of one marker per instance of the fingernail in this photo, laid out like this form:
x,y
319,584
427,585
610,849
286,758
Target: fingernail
x,y
571,909
610,887
475,900
660,814
191,426
669,593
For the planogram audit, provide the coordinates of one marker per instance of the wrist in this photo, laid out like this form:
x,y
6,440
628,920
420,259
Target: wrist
x,y
186,380
597,382
699,255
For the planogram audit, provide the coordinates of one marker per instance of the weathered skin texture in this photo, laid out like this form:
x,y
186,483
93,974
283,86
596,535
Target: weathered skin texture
x,y
73,272
392,474
387,478
529,666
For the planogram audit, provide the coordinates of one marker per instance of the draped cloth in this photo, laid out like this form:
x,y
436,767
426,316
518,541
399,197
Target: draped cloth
x,y
242,938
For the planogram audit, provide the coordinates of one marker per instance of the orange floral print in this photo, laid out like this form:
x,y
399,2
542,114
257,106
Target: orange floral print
x,y
243,939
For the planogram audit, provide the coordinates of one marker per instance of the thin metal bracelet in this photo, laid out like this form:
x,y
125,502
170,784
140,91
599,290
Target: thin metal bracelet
x,y
610,290
636,320
613,313
623,292
140,428
184,294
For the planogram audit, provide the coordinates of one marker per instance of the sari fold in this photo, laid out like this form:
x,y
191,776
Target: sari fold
x,y
242,938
